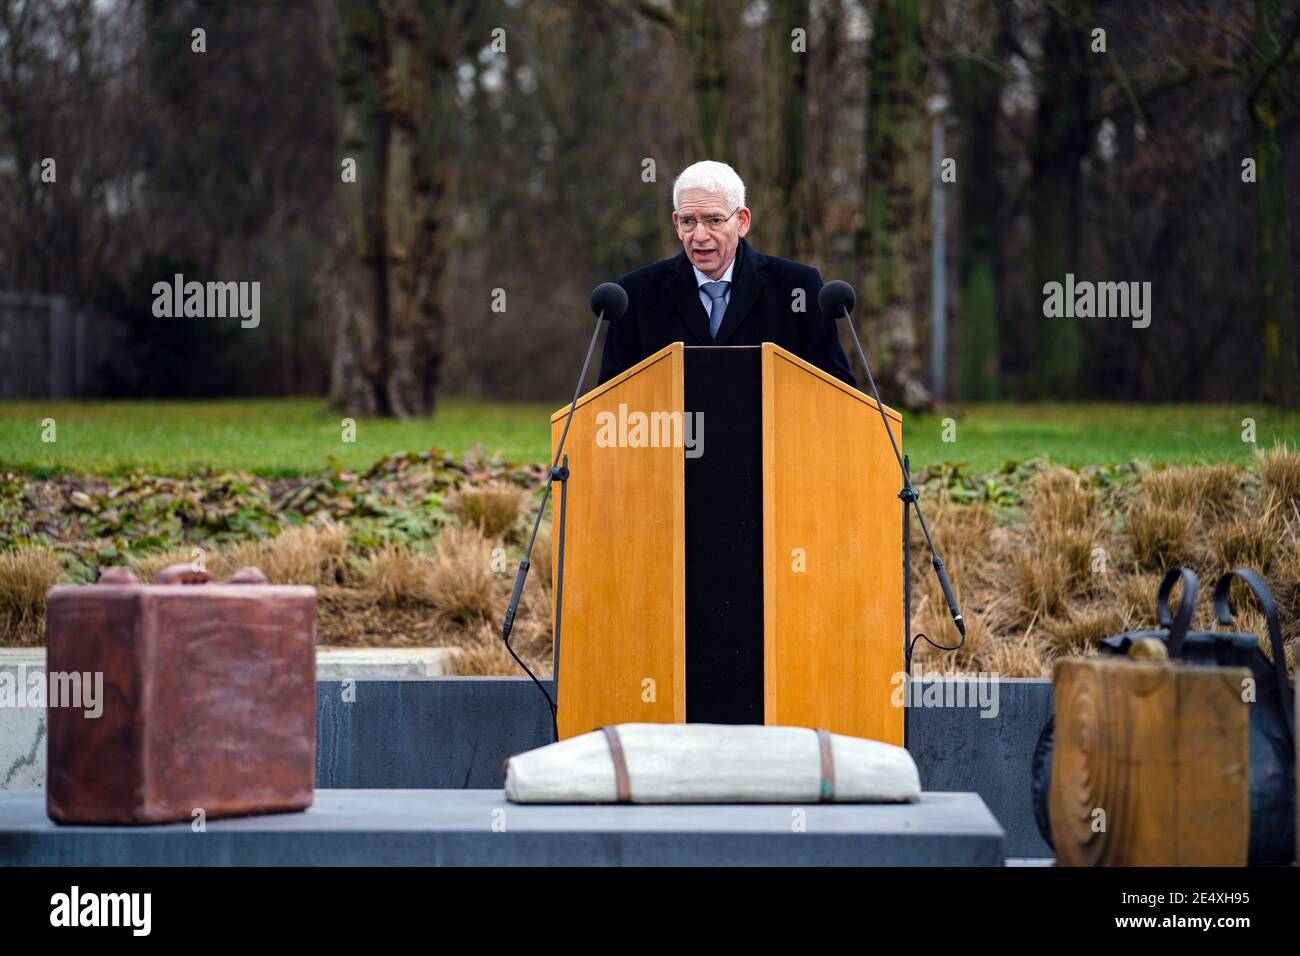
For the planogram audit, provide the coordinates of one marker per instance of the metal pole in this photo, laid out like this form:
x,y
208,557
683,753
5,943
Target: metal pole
x,y
938,277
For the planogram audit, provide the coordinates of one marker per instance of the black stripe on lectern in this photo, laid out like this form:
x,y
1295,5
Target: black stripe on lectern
x,y
724,537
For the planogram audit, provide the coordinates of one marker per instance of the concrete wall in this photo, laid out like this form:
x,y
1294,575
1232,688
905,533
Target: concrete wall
x,y
957,749
429,733
22,729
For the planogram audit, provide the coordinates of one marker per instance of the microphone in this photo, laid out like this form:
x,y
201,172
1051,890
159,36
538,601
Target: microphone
x,y
836,301
608,303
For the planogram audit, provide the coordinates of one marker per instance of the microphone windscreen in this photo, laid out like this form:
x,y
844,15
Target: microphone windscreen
x,y
610,298
835,298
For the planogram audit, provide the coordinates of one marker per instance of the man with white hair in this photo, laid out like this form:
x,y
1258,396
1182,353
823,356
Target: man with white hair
x,y
719,290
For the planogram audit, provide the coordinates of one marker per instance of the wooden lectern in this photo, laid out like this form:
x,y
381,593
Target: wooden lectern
x,y
749,571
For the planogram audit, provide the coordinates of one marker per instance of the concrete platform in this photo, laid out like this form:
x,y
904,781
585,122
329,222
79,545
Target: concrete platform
x,y
481,828
454,732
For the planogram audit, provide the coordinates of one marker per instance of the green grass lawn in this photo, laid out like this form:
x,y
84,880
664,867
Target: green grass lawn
x,y
266,436
1096,434
298,436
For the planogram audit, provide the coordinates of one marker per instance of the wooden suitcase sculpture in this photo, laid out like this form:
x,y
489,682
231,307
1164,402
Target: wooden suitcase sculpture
x,y
1173,747
1152,762
208,703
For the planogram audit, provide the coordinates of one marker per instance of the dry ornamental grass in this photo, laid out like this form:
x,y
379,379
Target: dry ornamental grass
x,y
307,554
494,508
25,575
1074,563
1083,565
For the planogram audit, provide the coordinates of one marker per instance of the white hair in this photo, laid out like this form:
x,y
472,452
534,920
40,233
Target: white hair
x,y
711,177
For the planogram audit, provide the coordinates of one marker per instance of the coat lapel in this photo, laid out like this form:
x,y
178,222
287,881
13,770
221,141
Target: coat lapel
x,y
747,283
686,297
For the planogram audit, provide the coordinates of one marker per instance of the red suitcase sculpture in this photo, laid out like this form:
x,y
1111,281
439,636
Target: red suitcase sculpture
x,y
208,703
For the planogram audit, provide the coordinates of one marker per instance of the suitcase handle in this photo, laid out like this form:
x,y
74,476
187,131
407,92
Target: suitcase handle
x,y
185,574
248,575
1264,598
182,573
117,575
1177,625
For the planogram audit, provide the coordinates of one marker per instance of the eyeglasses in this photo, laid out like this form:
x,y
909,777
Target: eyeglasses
x,y
687,224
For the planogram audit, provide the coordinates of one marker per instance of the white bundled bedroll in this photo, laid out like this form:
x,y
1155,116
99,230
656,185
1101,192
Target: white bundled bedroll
x,y
713,763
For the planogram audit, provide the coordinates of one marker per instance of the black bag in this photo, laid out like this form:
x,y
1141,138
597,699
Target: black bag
x,y
1272,717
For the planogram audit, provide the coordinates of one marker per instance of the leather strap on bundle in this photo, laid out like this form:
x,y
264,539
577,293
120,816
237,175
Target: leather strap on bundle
x,y
622,782
828,766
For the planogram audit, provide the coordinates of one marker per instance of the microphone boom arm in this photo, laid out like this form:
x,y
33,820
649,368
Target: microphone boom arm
x,y
910,497
606,299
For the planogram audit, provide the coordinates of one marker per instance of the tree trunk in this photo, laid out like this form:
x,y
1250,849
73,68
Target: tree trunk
x,y
977,94
1281,378
396,65
352,284
1060,141
788,128
423,42
707,27
895,131
826,200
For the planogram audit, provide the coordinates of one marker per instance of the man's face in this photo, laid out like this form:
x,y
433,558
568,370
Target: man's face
x,y
710,248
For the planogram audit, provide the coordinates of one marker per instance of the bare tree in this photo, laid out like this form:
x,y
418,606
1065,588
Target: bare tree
x,y
396,64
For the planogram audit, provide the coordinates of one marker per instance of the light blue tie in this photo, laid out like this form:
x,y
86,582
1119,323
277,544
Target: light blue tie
x,y
717,293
